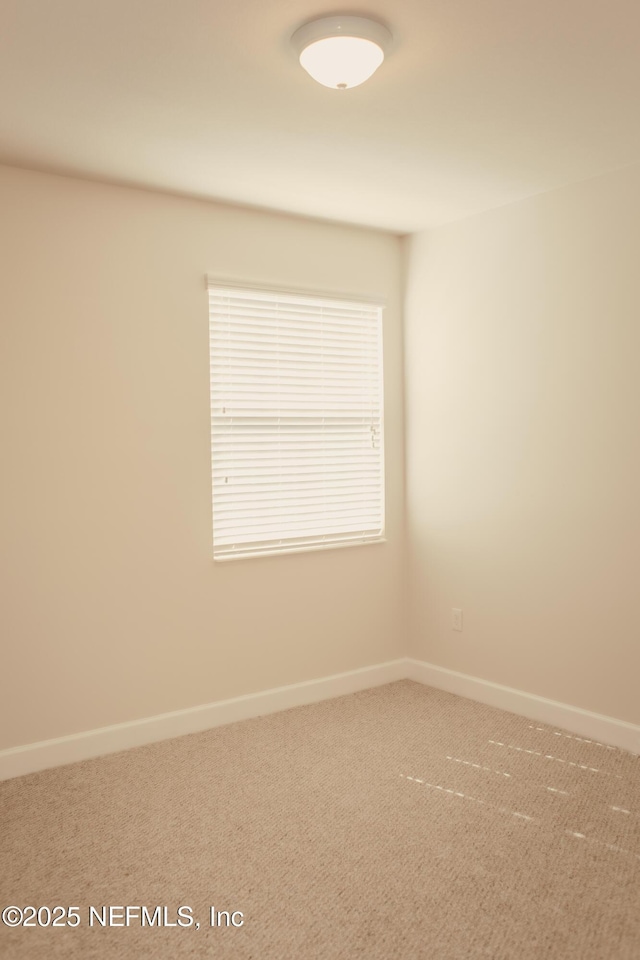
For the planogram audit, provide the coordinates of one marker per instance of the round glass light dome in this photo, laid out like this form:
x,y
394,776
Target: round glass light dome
x,y
341,62
341,52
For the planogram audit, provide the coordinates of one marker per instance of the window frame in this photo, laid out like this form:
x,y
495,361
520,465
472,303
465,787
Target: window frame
x,y
214,282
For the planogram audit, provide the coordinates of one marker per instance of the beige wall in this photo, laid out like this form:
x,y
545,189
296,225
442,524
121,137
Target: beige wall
x,y
523,444
522,346
112,608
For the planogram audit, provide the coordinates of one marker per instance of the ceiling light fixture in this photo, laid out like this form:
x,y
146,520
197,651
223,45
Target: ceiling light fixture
x,y
341,52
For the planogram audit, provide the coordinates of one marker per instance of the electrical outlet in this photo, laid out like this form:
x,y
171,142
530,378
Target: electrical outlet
x,y
456,618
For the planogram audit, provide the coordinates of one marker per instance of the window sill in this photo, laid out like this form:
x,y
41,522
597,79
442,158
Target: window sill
x,y
315,548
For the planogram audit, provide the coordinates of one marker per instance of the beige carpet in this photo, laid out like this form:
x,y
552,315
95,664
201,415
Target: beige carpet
x,y
401,822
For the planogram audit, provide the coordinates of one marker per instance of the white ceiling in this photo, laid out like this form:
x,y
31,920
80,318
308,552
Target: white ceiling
x,y
480,102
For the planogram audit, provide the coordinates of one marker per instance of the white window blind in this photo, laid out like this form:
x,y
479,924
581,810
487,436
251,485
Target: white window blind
x,y
296,421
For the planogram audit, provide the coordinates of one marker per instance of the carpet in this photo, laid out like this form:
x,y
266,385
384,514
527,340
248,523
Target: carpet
x,y
400,822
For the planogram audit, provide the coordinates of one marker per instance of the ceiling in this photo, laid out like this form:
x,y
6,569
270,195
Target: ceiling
x,y
480,102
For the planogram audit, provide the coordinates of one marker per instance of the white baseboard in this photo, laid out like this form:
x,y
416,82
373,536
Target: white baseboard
x,y
17,761
595,726
33,757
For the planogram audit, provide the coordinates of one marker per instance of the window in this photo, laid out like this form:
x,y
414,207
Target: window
x,y
296,421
